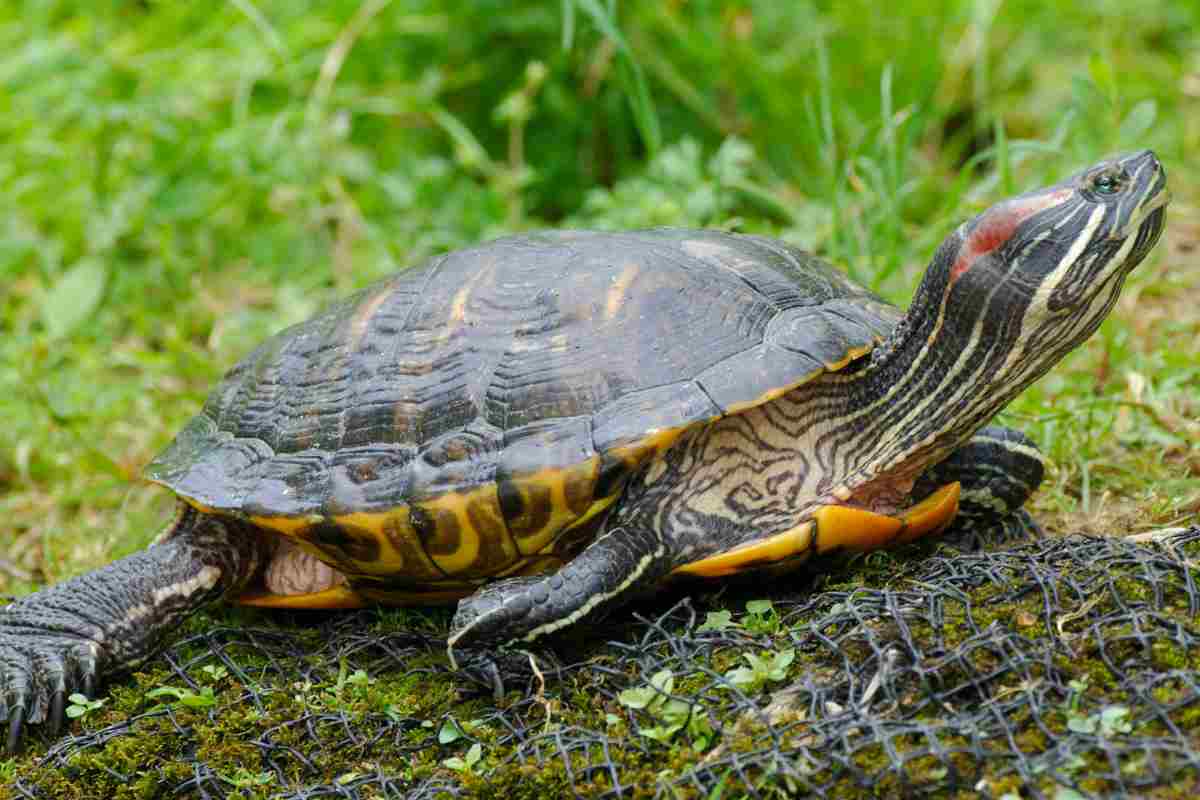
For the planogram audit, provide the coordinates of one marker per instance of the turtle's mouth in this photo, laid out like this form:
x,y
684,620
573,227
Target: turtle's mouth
x,y
1149,216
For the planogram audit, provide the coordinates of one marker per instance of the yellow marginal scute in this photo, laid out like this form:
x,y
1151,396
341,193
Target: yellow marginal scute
x,y
654,443
931,514
390,560
850,528
853,354
203,509
775,548
335,597
533,565
288,526
560,515
774,394
835,527
596,508
443,509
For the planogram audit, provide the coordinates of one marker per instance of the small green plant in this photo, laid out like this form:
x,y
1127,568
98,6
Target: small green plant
x,y
348,686
671,714
763,669
81,706
453,730
467,763
302,691
245,779
214,673
1107,723
356,681
184,697
761,617
717,621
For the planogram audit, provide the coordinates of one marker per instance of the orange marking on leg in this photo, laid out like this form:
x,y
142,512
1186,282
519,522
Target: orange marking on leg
x,y
834,527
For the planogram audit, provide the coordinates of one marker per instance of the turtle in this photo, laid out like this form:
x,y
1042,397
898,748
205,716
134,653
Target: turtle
x,y
548,424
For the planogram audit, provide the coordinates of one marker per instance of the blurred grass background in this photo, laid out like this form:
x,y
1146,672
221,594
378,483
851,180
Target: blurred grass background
x,y
180,180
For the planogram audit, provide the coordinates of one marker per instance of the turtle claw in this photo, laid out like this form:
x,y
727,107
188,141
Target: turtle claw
x,y
971,534
55,720
36,676
15,726
484,670
499,671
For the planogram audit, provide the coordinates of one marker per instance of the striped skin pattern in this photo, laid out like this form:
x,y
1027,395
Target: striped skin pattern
x,y
613,408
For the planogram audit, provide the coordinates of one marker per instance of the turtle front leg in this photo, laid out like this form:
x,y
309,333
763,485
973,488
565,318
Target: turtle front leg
x,y
606,574
61,639
999,469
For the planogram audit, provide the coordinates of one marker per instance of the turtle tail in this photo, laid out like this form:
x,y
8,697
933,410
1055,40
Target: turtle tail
x,y
61,639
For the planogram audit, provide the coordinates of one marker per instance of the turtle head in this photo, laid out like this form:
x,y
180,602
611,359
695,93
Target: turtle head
x,y
1050,263
1013,290
1007,295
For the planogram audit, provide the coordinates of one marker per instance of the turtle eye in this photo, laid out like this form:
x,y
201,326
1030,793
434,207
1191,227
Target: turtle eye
x,y
1108,183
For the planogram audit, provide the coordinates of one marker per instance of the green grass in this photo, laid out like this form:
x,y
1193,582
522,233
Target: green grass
x,y
180,180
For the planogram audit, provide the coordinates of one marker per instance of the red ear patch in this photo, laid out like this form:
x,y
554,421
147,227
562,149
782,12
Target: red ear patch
x,y
997,227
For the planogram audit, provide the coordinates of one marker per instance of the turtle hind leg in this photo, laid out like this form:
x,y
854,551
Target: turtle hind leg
x,y
62,639
999,469
607,573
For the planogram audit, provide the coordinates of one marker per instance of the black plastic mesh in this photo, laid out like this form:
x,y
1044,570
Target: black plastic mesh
x,y
1070,664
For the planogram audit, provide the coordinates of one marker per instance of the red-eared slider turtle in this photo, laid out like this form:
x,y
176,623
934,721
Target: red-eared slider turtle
x,y
543,425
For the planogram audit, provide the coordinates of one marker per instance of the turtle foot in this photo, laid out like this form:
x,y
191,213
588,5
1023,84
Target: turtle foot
x,y
971,534
60,640
38,670
499,671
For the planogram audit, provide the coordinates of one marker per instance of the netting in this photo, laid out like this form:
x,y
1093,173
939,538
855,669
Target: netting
x,y
1064,667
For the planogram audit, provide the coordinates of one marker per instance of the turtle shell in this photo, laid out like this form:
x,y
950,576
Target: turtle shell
x,y
467,418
